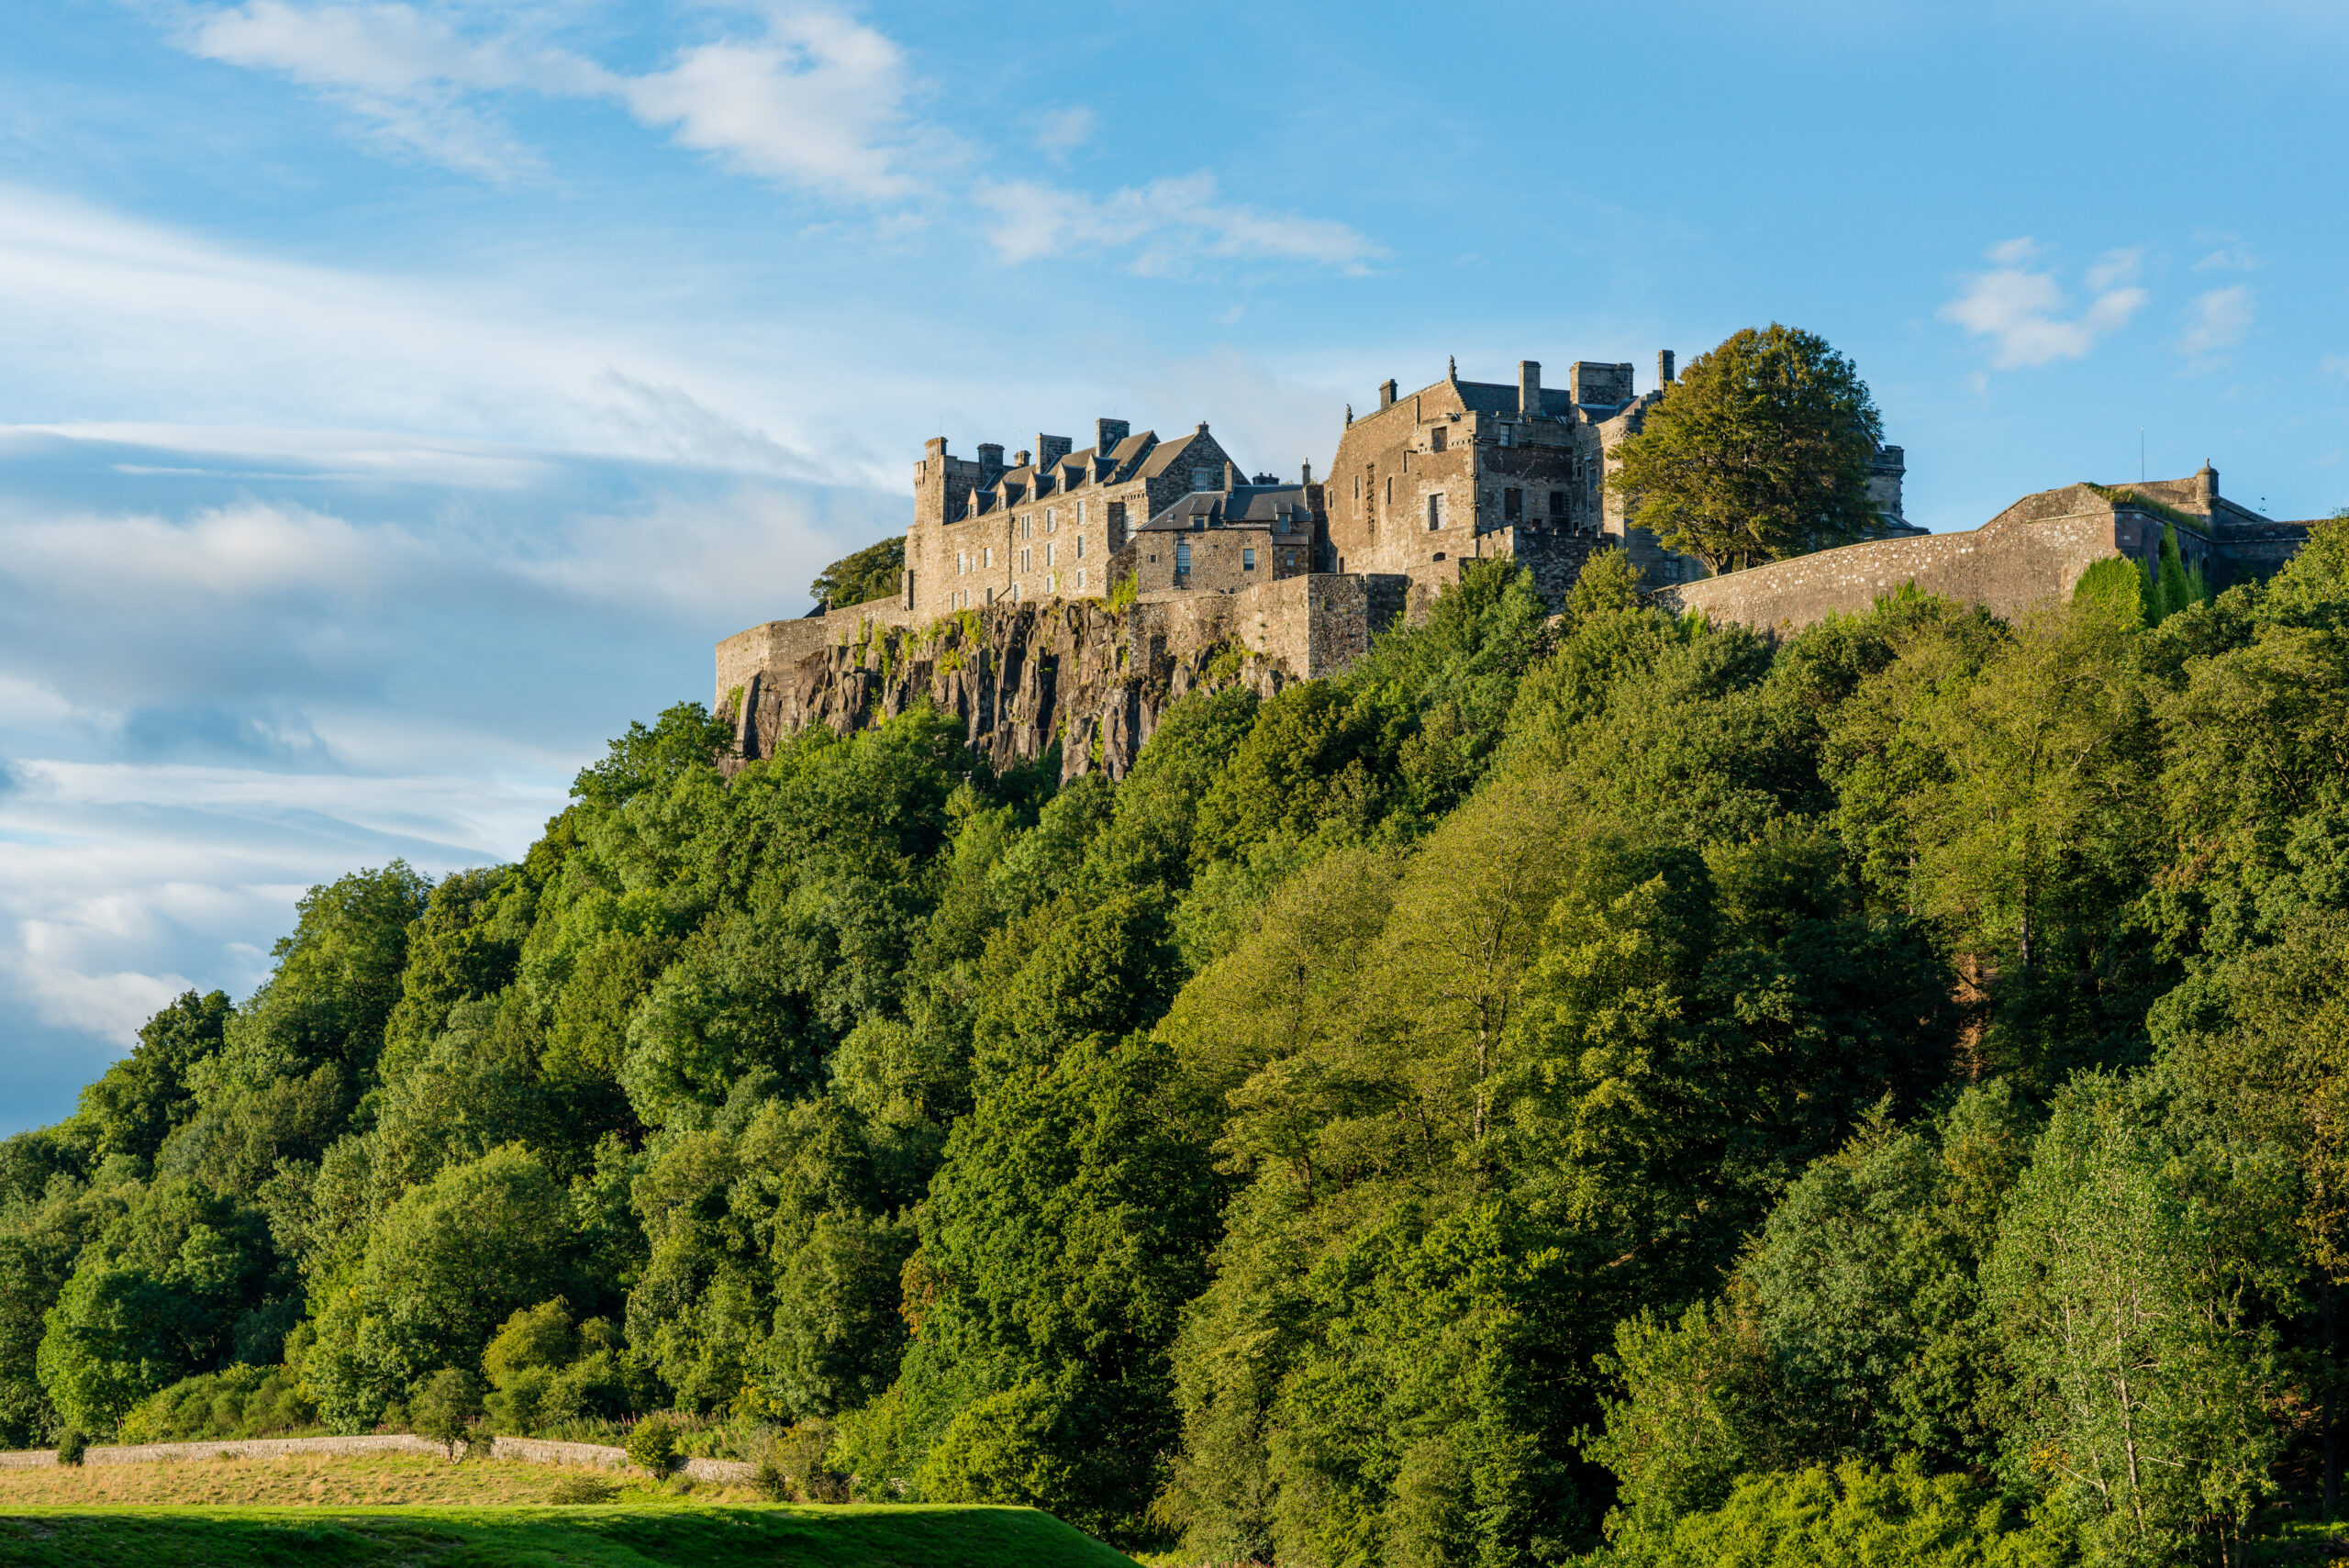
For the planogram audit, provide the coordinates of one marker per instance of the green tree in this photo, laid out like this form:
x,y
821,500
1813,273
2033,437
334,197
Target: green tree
x,y
142,1098
873,573
1762,450
445,1407
2128,1280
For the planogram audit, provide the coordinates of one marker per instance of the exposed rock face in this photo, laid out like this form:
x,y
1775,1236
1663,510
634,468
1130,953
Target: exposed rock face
x,y
1018,677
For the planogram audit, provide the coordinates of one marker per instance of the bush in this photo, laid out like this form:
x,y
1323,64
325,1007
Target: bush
x,y
236,1402
72,1444
654,1444
793,1468
445,1408
582,1489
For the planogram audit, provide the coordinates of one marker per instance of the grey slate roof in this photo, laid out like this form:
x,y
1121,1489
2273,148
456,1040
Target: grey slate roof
x,y
1242,506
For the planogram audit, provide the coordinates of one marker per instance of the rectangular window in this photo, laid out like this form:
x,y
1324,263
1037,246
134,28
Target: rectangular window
x,y
1027,526
1051,520
1435,511
962,563
1080,579
1026,563
1117,522
1557,503
1436,438
1080,547
1203,479
1048,554
1505,435
1512,506
986,556
1182,557
1390,491
1080,514
1248,560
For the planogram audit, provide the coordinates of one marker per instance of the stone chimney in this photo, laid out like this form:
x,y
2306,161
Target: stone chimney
x,y
1529,389
1663,369
990,462
2206,482
1386,395
1308,479
1108,433
1050,449
1019,459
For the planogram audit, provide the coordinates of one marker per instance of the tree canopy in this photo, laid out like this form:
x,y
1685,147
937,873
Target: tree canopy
x,y
1760,451
873,573
1609,1089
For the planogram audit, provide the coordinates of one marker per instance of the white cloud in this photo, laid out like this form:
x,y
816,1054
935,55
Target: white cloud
x,y
819,103
2026,314
2335,365
1060,131
1167,225
2218,319
2228,257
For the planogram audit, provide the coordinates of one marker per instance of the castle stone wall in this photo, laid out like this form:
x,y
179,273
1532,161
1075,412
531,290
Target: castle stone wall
x,y
536,1450
2007,569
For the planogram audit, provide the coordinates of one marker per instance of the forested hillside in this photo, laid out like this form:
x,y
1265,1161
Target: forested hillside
x,y
1604,1084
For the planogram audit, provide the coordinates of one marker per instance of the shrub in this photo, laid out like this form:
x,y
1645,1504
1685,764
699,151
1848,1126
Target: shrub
x,y
236,1402
445,1407
654,1444
582,1489
794,1466
72,1444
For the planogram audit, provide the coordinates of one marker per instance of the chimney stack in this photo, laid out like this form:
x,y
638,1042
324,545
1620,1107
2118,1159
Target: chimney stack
x,y
990,462
1663,368
1529,389
1050,449
1308,476
1386,395
1108,433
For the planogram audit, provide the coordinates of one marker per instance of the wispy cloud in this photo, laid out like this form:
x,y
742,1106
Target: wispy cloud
x,y
2216,321
2026,314
1165,227
817,102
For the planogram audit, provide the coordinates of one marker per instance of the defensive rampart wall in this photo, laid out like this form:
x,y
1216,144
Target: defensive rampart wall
x,y
2006,568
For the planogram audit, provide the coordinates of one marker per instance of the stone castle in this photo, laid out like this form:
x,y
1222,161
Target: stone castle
x,y
1067,594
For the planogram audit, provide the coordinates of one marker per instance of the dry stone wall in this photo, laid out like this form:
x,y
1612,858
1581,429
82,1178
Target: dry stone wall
x,y
536,1450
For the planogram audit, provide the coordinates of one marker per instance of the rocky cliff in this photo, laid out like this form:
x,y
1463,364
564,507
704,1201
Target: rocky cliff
x,y
1018,677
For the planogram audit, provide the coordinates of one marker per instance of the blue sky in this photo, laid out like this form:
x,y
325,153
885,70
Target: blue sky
x,y
397,399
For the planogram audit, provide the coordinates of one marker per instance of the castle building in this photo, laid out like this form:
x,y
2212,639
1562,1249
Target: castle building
x,y
1463,469
1456,471
1048,524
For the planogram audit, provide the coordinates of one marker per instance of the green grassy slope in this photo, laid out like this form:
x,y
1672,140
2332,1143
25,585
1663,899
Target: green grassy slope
x,y
682,1535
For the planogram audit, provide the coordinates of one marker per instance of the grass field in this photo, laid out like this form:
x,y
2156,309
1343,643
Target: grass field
x,y
406,1510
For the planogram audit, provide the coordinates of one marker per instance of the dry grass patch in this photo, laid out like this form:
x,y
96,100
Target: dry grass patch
x,y
335,1481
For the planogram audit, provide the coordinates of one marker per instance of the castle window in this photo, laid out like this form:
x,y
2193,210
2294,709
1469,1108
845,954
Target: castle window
x,y
1435,510
1203,479
986,556
1557,503
1248,560
1080,579
1182,557
1027,526
1024,562
1080,514
962,563
1052,521
1080,549
1512,506
1505,430
1436,438
1048,554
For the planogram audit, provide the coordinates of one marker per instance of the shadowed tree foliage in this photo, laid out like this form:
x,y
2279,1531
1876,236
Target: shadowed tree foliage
x,y
873,573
